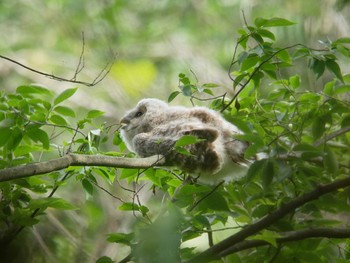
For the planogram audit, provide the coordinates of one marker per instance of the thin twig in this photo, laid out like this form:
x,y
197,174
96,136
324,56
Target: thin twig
x,y
98,79
205,196
81,63
253,74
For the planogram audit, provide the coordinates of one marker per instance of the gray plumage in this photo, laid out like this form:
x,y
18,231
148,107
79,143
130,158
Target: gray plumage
x,y
153,127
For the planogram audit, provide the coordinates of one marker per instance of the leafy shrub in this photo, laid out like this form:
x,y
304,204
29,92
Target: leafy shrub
x,y
291,206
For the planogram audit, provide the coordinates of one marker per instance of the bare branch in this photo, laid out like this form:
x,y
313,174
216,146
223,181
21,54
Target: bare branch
x,y
81,63
101,75
215,251
78,160
289,237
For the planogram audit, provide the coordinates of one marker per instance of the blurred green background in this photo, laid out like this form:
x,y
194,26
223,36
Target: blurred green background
x,y
153,42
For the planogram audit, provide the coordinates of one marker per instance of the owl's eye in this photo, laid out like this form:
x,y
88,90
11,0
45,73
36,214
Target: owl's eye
x,y
138,114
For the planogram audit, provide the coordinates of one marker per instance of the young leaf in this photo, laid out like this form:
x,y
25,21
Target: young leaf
x,y
64,95
94,114
318,67
266,33
294,81
173,95
57,203
64,111
121,238
273,22
88,187
57,119
335,69
186,140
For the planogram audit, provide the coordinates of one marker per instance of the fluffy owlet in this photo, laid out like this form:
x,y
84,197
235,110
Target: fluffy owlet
x,y
153,127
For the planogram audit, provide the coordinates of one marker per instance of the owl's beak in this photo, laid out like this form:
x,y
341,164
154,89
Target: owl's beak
x,y
124,122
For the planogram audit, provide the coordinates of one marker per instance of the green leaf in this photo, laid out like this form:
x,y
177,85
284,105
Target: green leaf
x,y
284,56
88,187
121,238
307,151
268,236
58,203
64,111
343,40
193,189
104,259
318,127
28,90
117,139
187,90
173,95
127,173
294,81
249,62
133,207
268,173
266,33
15,138
255,169
186,140
215,201
64,95
39,135
5,134
330,160
334,68
318,67
301,52
57,119
329,88
342,89
273,22
210,85
94,114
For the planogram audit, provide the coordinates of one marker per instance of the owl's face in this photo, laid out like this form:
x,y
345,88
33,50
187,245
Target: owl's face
x,y
142,118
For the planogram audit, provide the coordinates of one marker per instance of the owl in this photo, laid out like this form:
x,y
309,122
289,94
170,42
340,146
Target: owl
x,y
153,127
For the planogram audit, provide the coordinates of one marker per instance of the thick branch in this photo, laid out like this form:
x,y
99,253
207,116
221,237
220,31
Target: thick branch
x,y
290,236
77,160
215,251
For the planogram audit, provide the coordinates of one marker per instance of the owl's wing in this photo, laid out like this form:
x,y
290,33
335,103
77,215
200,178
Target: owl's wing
x,y
207,133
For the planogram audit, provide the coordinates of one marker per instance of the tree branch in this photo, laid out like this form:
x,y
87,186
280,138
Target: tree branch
x,y
78,160
289,237
101,75
332,135
215,251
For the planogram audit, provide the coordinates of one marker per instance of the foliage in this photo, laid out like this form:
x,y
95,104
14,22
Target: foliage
x,y
302,134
